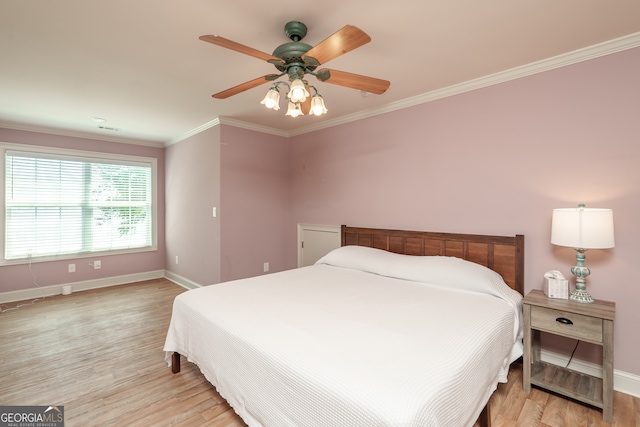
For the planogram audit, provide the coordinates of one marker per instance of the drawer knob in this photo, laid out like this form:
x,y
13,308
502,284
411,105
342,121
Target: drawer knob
x,y
564,321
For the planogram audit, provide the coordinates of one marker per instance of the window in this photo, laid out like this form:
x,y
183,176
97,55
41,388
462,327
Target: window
x,y
63,203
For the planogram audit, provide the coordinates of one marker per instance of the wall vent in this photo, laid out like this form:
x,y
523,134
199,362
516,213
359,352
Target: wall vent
x,y
109,128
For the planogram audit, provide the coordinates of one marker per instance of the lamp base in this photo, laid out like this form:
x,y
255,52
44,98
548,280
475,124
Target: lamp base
x,y
581,272
581,296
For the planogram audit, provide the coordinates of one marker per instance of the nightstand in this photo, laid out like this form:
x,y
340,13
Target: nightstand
x,y
586,322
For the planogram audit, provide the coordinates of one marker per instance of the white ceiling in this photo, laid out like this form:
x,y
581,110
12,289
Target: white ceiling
x,y
139,64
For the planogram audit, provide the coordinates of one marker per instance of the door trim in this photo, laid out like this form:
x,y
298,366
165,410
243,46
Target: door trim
x,y
314,227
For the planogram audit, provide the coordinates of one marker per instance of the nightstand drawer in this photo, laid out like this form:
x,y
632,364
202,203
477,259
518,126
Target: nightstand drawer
x,y
575,325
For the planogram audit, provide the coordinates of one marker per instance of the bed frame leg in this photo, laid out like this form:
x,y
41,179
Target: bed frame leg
x,y
485,417
175,362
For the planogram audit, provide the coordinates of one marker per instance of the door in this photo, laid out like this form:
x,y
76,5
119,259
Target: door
x,y
315,241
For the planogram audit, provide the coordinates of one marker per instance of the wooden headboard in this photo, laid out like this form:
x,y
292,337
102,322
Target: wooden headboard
x,y
504,254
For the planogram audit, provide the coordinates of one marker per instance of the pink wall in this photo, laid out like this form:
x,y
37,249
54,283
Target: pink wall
x,y
18,277
492,161
497,161
255,204
245,175
192,190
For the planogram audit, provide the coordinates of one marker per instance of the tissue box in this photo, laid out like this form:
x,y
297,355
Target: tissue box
x,y
556,288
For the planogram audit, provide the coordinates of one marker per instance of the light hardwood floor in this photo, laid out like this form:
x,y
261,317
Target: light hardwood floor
x,y
99,354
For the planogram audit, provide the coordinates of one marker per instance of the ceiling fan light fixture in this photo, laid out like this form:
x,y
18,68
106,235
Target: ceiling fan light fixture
x,y
298,92
272,99
317,105
296,59
294,109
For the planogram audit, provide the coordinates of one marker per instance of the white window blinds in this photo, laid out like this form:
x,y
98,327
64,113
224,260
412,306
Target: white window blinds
x,y
64,205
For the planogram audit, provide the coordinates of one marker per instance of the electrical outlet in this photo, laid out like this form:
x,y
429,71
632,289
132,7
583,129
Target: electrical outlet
x,y
97,265
72,268
266,267
176,259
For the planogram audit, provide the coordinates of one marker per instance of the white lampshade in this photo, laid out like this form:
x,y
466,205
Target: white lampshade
x,y
298,91
317,105
582,228
294,110
272,99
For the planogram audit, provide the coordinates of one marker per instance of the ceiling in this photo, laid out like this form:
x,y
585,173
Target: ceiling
x,y
140,65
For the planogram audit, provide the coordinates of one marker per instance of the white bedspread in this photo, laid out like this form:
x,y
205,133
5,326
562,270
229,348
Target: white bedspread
x,y
334,346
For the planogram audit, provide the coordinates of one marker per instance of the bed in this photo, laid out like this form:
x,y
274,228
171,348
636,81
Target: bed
x,y
394,328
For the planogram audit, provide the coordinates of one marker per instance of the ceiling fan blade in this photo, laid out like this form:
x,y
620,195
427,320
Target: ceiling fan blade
x,y
245,86
226,43
306,105
356,81
340,42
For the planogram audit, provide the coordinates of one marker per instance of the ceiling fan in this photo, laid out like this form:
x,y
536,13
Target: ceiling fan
x,y
296,59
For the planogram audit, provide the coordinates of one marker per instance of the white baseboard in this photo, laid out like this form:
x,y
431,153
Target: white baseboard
x,y
47,291
622,381
182,281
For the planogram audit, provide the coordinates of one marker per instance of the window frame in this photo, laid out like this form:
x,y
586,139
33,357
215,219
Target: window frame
x,y
98,155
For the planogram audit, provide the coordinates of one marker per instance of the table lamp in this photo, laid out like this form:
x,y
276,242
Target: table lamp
x,y
582,228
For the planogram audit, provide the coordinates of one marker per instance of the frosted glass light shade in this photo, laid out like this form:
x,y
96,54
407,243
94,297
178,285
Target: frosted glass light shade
x,y
317,105
582,228
298,92
272,99
294,110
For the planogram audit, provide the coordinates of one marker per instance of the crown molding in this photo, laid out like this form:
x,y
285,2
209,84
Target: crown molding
x,y
229,122
602,49
77,134
251,126
591,52
194,131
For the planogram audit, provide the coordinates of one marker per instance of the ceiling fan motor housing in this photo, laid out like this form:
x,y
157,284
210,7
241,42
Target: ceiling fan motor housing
x,y
291,53
295,30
